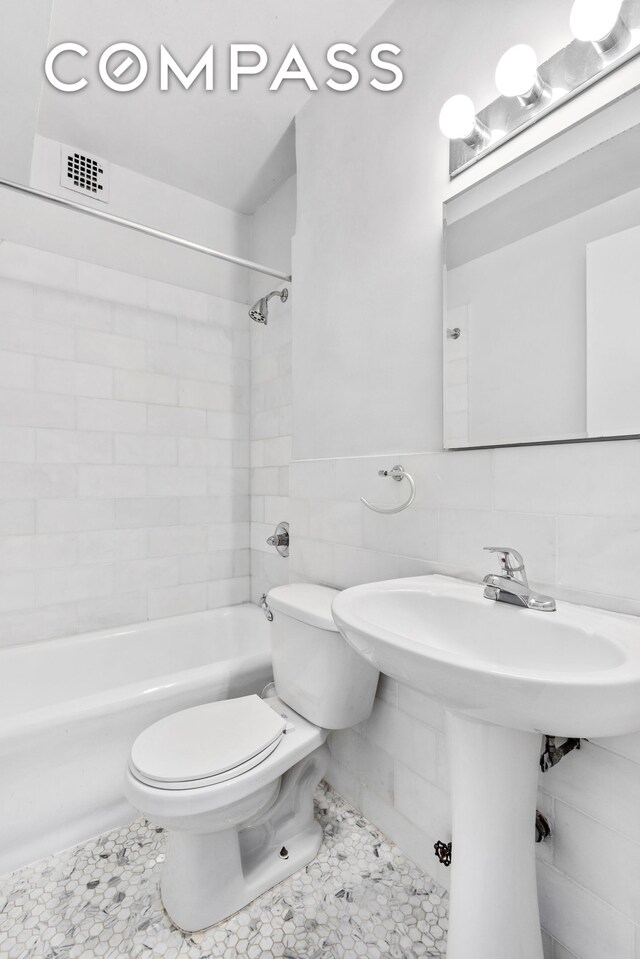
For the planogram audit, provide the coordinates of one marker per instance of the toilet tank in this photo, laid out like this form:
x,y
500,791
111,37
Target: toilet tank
x,y
315,670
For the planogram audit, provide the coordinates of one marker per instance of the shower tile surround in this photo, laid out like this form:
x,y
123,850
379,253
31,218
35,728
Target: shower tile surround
x,y
271,391
579,540
270,442
359,898
124,444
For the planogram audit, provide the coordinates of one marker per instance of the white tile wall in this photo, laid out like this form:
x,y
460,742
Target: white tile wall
x,y
270,442
573,512
124,448
273,227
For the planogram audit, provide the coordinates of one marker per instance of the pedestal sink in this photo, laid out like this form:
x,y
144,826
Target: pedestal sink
x,y
505,675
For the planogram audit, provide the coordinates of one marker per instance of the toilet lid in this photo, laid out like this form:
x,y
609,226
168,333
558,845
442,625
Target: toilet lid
x,y
212,742
206,780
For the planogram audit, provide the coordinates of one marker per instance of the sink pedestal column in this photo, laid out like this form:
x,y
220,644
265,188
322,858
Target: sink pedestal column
x,y
494,899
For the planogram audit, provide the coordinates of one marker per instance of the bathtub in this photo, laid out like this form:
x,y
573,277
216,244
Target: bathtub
x,y
71,708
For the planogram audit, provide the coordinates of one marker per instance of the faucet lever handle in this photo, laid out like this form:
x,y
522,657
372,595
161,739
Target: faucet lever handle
x,y
510,559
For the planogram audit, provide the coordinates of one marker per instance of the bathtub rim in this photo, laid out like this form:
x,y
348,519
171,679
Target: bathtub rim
x,y
148,690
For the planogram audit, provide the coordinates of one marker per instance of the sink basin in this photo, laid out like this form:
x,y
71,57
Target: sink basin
x,y
574,672
505,674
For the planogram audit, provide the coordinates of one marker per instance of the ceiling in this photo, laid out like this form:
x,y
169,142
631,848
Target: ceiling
x,y
231,148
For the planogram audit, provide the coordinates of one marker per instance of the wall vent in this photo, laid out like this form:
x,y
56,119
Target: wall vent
x,y
84,173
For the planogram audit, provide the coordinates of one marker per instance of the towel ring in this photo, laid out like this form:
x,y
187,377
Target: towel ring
x,y
398,473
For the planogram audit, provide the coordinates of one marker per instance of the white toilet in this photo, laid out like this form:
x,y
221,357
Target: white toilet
x,y
233,781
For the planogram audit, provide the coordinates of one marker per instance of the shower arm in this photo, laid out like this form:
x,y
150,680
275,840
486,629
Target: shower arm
x,y
140,228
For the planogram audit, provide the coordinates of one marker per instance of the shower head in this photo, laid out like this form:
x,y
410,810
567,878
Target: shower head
x,y
260,310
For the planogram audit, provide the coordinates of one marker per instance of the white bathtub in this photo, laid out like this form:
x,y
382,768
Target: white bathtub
x,y
70,709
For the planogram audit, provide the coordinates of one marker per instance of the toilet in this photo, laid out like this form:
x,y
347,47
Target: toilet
x,y
233,782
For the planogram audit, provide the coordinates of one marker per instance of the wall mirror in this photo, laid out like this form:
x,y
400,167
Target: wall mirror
x,y
542,300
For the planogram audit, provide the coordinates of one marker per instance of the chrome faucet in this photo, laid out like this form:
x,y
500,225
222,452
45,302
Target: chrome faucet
x,y
512,585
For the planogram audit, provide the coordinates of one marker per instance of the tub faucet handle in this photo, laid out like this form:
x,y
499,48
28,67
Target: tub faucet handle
x,y
280,539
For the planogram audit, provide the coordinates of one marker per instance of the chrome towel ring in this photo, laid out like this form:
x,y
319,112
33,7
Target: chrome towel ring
x,y
398,473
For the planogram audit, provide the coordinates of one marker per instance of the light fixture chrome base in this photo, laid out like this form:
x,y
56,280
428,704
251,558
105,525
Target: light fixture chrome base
x,y
567,73
479,137
539,93
618,37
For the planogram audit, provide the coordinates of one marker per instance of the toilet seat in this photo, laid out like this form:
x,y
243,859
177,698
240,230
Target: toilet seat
x,y
207,744
158,801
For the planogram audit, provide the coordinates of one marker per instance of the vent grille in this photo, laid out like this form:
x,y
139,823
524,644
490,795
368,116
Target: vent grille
x,y
84,174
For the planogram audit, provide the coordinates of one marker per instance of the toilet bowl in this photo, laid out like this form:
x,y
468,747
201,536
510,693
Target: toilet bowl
x,y
232,782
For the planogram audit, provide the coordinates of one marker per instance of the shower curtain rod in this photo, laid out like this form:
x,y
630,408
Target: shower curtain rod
x,y
141,228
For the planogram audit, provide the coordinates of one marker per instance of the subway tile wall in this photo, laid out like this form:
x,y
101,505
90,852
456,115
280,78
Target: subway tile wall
x,y
270,442
574,513
124,448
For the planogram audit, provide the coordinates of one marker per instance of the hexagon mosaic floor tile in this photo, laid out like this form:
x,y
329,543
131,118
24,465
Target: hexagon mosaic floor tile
x,y
361,897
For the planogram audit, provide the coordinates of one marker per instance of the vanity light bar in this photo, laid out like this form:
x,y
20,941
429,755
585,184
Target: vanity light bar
x,y
607,34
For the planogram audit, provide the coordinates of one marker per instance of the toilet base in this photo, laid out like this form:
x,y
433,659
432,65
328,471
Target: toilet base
x,y
207,877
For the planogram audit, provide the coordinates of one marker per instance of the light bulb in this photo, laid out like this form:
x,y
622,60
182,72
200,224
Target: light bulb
x,y
600,22
594,19
458,117
517,71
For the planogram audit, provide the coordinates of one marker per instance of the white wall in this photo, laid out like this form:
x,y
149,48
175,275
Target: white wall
x,y
139,198
124,409
206,439
372,175
273,229
124,448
